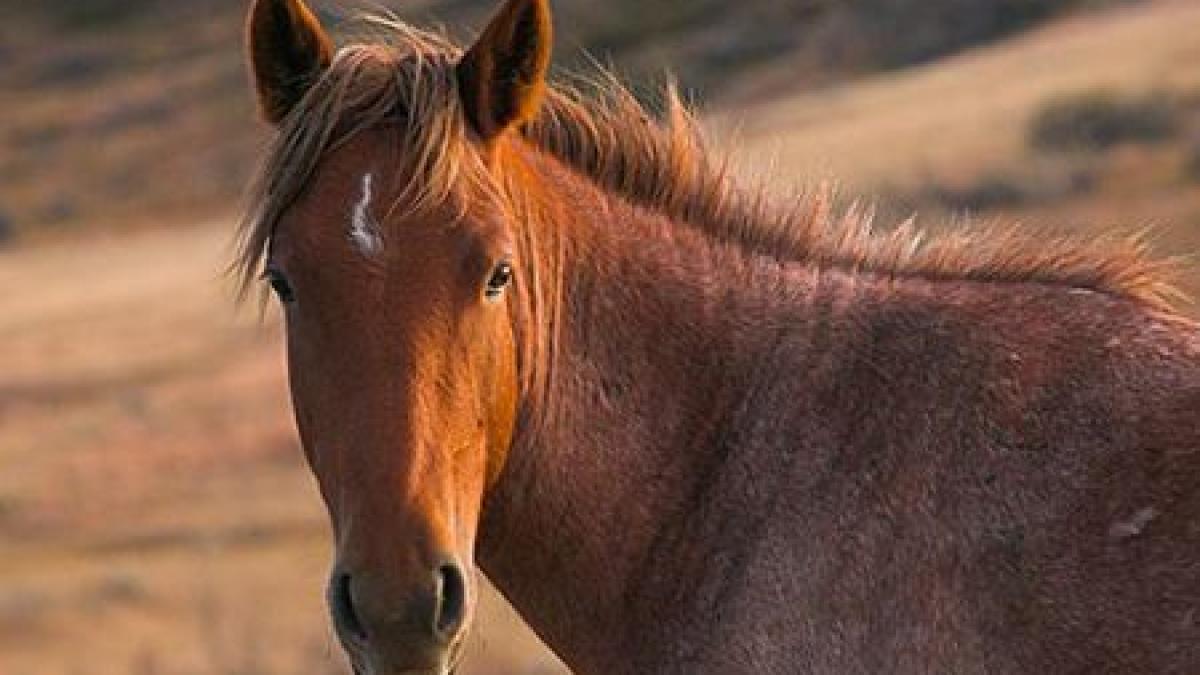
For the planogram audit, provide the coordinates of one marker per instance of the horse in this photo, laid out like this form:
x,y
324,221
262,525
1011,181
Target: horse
x,y
537,331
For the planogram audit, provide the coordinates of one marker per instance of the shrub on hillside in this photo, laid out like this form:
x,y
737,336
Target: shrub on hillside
x,y
902,32
1035,182
8,232
1191,163
1100,120
89,14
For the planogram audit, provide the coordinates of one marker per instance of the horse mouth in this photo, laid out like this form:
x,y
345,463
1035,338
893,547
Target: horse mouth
x,y
449,666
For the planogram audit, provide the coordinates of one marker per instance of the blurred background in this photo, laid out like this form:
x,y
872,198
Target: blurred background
x,y
155,513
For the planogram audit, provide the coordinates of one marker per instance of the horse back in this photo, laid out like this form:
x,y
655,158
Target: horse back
x,y
1103,575
967,482
1099,568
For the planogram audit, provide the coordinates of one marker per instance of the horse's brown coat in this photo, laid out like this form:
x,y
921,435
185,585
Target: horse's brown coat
x,y
701,438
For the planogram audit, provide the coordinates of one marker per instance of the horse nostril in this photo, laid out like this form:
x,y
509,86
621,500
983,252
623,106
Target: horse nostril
x,y
451,601
341,604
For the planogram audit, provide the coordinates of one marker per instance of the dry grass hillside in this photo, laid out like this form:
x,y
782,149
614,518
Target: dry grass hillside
x,y
135,113
155,513
959,136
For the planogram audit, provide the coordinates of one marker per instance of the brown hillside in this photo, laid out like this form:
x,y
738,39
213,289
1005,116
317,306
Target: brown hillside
x,y
127,113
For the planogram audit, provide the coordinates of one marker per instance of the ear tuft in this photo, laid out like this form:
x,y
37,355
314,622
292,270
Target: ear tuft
x,y
503,76
288,52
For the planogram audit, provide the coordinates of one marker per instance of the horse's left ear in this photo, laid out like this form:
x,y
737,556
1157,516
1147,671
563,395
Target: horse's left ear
x,y
501,79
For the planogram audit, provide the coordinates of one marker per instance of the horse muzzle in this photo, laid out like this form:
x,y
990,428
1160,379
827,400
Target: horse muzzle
x,y
418,632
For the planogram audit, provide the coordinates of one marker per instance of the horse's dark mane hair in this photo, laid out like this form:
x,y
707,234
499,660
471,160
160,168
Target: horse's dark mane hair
x,y
406,76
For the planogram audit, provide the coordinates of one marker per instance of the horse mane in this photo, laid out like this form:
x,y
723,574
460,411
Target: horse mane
x,y
405,77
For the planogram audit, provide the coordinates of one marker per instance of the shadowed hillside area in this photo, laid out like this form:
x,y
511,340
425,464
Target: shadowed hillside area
x,y
156,516
134,112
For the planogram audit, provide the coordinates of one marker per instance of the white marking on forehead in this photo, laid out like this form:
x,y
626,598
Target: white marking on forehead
x,y
363,232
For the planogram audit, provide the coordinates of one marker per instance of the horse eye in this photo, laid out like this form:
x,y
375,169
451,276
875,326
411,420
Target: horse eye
x,y
501,277
281,287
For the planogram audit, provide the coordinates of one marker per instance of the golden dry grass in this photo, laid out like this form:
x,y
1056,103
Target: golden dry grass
x,y
955,120
967,116
968,112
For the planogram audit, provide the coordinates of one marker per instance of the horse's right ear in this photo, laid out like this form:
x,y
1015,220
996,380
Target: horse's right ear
x,y
288,52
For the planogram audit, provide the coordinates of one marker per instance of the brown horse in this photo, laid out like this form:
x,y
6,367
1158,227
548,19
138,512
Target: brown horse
x,y
685,430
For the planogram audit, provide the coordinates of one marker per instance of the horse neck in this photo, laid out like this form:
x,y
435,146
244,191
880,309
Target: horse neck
x,y
656,351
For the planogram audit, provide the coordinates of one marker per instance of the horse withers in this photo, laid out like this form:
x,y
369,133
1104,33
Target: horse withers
x,y
685,429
